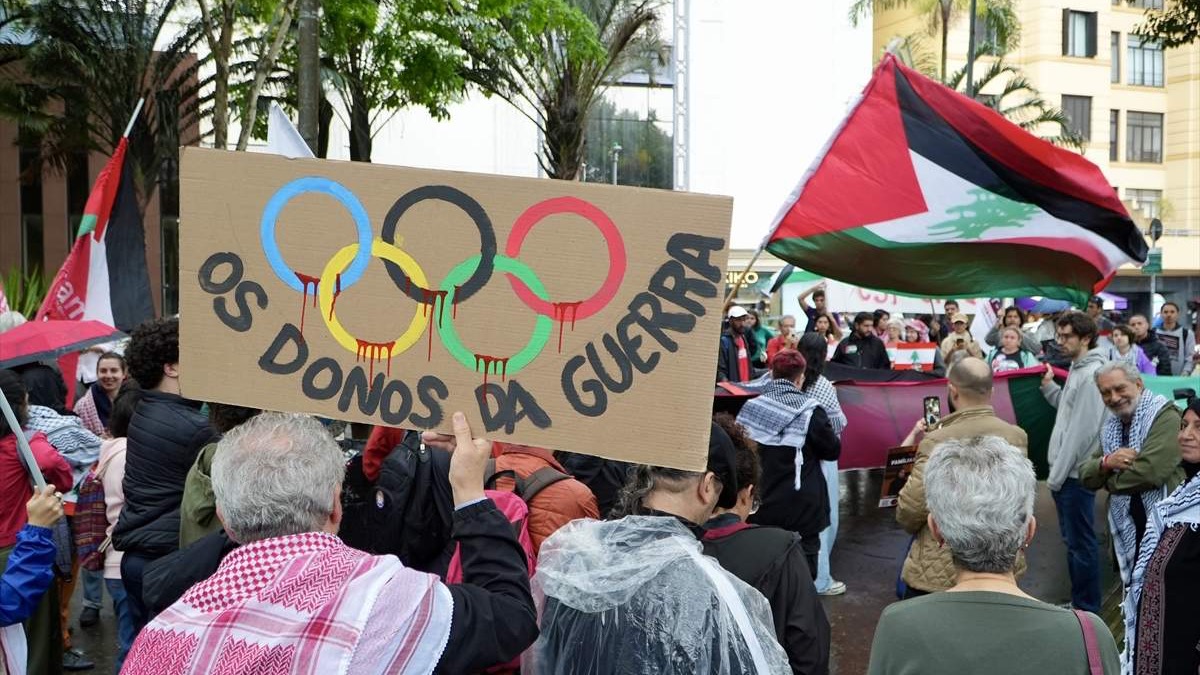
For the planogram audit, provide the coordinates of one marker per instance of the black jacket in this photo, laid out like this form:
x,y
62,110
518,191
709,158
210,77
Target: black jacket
x,y
804,511
604,477
772,561
727,357
862,352
165,435
1157,353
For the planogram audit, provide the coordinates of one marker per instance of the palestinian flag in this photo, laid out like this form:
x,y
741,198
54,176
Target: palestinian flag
x,y
923,191
105,277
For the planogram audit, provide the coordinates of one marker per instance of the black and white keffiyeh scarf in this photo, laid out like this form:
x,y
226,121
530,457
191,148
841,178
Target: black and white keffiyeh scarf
x,y
1120,522
779,416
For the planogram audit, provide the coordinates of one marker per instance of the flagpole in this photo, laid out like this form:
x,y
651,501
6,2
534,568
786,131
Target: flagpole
x,y
23,449
133,118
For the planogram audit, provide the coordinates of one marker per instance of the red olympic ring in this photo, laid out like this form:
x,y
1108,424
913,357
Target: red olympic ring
x,y
612,238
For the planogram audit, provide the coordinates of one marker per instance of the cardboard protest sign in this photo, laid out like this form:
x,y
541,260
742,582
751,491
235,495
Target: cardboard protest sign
x,y
895,475
558,314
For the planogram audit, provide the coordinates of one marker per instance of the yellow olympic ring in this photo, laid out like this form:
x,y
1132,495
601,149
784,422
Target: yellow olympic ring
x,y
338,263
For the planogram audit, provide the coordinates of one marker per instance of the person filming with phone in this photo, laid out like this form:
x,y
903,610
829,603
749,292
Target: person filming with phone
x,y
929,567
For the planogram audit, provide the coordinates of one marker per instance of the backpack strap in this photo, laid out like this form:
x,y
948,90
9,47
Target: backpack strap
x,y
1095,665
493,475
539,480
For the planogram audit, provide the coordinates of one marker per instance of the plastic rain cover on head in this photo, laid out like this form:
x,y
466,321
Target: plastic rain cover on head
x,y
637,595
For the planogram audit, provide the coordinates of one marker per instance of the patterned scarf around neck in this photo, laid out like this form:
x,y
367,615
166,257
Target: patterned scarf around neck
x,y
1119,520
780,416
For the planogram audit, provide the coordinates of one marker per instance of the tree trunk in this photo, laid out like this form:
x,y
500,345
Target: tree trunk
x,y
261,69
564,142
323,123
360,125
308,70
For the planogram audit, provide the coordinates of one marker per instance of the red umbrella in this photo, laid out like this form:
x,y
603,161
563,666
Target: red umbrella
x,y
49,339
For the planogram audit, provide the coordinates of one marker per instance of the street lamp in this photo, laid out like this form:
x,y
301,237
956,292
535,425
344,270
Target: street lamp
x,y
616,151
1154,258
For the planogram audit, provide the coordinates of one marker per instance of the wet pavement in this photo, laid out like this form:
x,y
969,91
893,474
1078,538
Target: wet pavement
x,y
867,557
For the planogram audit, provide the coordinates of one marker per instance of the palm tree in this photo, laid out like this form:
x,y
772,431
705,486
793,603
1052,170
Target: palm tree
x,y
562,64
1018,101
998,15
93,60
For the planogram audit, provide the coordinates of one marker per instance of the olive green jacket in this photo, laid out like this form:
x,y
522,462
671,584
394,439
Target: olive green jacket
x,y
1157,462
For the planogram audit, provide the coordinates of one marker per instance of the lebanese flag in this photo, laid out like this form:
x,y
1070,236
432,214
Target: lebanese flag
x,y
912,355
105,277
923,191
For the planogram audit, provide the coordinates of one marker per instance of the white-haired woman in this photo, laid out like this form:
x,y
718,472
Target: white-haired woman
x,y
980,493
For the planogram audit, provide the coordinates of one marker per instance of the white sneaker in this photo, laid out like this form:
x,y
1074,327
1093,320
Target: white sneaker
x,y
835,588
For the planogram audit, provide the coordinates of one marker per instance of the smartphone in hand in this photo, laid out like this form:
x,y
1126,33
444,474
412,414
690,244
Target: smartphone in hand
x,y
933,410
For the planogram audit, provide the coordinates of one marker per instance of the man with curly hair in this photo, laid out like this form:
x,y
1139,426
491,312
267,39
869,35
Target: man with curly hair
x,y
165,435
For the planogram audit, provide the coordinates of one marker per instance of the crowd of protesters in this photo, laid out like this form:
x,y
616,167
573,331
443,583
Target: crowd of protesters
x,y
236,540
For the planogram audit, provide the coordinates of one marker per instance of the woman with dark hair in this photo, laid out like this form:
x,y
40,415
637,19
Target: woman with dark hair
x,y
1162,626
95,405
793,433
771,560
44,631
166,433
821,390
1015,317
762,335
825,326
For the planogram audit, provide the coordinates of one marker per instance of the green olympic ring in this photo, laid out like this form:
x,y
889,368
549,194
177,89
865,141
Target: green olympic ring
x,y
542,328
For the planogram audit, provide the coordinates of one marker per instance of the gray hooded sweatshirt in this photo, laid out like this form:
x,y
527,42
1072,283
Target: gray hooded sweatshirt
x,y
1076,434
1180,344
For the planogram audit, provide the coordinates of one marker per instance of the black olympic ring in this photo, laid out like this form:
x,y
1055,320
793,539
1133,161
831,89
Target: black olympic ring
x,y
487,240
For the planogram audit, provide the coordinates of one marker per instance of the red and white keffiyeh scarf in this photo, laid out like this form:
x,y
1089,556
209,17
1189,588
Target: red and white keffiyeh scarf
x,y
305,604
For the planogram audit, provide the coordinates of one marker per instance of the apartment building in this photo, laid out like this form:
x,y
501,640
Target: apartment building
x,y
1136,105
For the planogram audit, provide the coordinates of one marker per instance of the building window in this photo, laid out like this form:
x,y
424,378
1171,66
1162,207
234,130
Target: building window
x,y
32,239
1078,110
1143,137
987,39
1079,33
1146,4
1114,126
1148,202
1145,62
1115,51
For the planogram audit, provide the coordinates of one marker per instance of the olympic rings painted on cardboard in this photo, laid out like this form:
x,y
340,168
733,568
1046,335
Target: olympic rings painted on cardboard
x,y
362,224
329,292
487,239
617,260
541,329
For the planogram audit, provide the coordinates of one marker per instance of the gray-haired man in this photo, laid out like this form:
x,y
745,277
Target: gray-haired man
x,y
1138,460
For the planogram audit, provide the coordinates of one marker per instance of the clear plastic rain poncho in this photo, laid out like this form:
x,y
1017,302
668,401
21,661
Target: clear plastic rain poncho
x,y
637,595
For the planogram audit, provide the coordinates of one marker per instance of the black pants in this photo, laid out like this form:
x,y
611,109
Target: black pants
x,y
132,568
811,545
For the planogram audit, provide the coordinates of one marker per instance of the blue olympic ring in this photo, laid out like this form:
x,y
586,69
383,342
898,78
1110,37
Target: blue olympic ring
x,y
336,190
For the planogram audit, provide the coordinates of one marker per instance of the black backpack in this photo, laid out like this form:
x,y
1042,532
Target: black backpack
x,y
408,512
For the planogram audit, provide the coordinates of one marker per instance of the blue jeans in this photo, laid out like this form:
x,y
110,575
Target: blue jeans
x,y
126,631
93,588
1076,506
829,534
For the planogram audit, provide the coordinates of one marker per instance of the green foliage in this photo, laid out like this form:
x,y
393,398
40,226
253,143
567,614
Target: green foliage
x,y
1175,26
25,291
553,60
1017,100
93,60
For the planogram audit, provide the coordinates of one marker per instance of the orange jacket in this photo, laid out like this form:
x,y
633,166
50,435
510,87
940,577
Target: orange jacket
x,y
557,504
